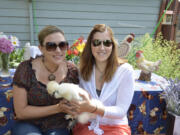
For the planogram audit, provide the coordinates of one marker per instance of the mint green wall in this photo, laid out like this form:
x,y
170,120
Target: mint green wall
x,y
77,17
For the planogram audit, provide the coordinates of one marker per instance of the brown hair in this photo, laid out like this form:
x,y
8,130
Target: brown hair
x,y
49,29
87,59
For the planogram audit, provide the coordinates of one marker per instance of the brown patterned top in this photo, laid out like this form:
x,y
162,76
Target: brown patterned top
x,y
37,94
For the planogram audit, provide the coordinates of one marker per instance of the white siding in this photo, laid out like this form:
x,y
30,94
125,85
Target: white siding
x,y
77,17
14,19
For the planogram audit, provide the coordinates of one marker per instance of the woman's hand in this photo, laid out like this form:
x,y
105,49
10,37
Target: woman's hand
x,y
68,107
89,105
85,105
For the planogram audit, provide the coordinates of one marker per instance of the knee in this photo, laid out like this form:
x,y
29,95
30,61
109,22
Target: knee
x,y
62,131
24,128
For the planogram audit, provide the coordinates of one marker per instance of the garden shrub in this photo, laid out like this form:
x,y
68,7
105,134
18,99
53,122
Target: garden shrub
x,y
155,49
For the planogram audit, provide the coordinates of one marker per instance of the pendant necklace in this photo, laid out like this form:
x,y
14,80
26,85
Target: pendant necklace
x,y
51,77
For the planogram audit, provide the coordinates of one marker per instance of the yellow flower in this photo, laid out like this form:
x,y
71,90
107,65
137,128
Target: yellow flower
x,y
80,47
75,50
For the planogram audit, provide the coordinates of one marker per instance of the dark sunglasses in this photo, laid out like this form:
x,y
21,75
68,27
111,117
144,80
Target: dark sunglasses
x,y
51,46
106,43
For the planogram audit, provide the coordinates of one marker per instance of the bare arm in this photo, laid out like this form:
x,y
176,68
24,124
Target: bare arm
x,y
25,111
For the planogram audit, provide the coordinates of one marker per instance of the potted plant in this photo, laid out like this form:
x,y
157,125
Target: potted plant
x,y
7,46
171,95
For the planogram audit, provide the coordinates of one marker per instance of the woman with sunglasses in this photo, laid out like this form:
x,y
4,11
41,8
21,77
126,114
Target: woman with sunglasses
x,y
107,79
37,112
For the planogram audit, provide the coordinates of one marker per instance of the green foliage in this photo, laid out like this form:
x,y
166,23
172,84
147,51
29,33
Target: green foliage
x,y
158,49
16,57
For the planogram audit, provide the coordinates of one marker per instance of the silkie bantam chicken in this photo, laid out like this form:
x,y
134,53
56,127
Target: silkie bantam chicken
x,y
70,92
145,65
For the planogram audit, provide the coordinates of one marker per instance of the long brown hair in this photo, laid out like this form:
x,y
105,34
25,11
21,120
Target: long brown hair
x,y
87,59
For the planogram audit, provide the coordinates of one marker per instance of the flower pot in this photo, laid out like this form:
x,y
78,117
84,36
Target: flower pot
x,y
4,65
173,124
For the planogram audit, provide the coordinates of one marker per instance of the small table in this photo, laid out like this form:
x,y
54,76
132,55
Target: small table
x,y
147,113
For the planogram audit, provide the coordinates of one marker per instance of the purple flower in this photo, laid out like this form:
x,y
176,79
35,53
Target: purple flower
x,y
6,46
171,95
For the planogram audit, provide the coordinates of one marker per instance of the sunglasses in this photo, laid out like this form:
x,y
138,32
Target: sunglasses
x,y
51,46
106,43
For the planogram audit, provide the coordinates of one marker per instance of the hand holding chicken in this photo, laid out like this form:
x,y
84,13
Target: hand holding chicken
x,y
71,92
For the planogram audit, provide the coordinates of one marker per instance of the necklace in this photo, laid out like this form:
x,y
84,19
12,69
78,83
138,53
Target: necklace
x,y
51,77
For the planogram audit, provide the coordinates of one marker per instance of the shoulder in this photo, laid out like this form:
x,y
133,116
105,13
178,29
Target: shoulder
x,y
23,74
25,67
125,70
126,67
25,64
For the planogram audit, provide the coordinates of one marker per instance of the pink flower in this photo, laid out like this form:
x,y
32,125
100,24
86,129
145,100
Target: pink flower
x,y
6,46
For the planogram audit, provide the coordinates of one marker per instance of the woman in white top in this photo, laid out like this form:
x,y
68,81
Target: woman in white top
x,y
108,79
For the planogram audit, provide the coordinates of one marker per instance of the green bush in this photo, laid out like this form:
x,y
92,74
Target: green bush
x,y
158,49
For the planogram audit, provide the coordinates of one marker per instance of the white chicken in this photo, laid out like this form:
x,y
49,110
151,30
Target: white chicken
x,y
71,91
145,65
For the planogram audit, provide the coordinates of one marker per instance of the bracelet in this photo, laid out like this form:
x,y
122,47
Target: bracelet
x,y
94,109
58,104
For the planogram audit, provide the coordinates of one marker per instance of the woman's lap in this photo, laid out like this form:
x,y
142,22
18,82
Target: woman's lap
x,y
57,132
24,128
108,130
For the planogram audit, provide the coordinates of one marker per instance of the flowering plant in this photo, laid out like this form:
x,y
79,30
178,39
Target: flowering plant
x,y
8,43
7,46
171,95
75,51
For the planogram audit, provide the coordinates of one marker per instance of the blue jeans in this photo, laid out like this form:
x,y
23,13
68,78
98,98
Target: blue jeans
x,y
24,128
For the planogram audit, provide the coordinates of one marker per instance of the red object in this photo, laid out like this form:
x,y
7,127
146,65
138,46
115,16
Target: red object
x,y
76,43
138,53
130,38
69,52
81,129
75,52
